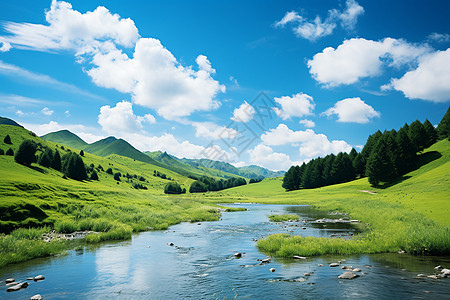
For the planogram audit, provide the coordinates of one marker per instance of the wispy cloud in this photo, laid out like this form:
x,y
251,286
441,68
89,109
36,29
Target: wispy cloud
x,y
22,101
16,71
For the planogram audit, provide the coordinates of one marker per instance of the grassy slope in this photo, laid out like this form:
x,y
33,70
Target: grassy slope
x,y
411,214
65,137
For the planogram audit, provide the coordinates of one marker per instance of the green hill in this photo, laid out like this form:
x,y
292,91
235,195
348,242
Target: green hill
x,y
6,121
260,171
65,137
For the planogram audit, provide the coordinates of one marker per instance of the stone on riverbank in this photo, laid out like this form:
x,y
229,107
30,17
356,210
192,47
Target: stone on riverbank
x,y
22,285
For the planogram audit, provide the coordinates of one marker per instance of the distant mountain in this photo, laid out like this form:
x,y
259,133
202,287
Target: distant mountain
x,y
65,137
260,171
6,121
111,145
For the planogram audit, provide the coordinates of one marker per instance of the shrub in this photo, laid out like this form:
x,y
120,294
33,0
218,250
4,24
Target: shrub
x,y
197,187
109,171
26,153
81,153
117,176
73,166
2,152
94,176
46,158
9,152
7,140
172,188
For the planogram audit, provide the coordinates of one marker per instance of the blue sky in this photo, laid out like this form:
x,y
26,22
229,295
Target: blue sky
x,y
263,83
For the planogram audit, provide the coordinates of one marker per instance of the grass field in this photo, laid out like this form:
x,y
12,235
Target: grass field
x,y
410,215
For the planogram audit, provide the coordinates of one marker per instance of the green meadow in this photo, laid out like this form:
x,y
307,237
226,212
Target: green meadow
x,y
410,214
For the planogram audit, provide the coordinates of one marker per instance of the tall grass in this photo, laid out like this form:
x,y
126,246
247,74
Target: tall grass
x,y
283,218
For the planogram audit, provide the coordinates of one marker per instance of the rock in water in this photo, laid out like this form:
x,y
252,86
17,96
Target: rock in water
x,y
334,265
237,255
446,272
39,277
356,270
272,270
9,280
17,287
36,297
348,275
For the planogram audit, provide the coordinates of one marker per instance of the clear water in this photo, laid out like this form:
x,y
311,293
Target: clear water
x,y
201,265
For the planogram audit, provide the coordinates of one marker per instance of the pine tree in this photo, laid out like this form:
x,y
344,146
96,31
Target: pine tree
x,y
56,162
327,167
82,153
372,140
353,153
379,166
431,133
2,152
359,166
443,128
46,158
418,135
73,166
291,180
109,171
393,150
406,152
117,176
26,153
9,152
7,140
94,175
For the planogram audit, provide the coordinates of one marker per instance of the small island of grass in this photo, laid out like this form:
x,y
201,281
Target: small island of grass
x,y
283,218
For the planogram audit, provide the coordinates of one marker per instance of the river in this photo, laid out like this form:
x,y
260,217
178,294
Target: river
x,y
201,265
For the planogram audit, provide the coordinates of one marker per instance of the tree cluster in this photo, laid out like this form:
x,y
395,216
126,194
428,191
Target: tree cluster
x,y
256,179
73,166
174,188
204,184
161,175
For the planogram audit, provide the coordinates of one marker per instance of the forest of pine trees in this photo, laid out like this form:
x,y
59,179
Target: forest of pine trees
x,y
205,183
384,157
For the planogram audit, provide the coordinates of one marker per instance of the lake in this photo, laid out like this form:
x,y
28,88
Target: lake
x,y
201,265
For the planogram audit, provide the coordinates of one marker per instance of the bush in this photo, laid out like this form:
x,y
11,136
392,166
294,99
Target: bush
x,y
109,171
2,152
7,140
81,153
46,158
172,188
139,186
26,153
117,176
9,152
94,176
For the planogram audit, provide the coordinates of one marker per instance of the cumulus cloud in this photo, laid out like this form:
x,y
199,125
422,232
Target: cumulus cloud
x,y
121,118
213,131
359,58
311,144
153,76
316,28
264,156
352,110
46,111
244,113
430,81
307,123
298,105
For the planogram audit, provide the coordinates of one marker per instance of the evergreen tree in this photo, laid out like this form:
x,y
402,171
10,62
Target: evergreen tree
x,y
291,179
353,153
2,152
443,129
56,161
26,153
82,153
197,187
46,158
418,135
109,171
94,175
7,140
372,140
73,166
406,152
9,152
431,133
327,167
393,150
379,166
359,166
117,176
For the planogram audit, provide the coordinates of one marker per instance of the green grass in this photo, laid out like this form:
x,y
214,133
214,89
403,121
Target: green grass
x,y
283,218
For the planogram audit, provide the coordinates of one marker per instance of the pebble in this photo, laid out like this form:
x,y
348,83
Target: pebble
x,y
36,297
272,270
39,277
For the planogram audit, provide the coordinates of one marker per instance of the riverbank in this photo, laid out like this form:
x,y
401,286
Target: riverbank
x,y
411,215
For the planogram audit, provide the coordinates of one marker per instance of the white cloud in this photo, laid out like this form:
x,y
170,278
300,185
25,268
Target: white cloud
x,y
307,123
69,29
298,105
46,111
264,156
352,110
439,37
430,81
311,144
5,46
121,118
314,29
153,76
67,113
358,58
213,131
244,113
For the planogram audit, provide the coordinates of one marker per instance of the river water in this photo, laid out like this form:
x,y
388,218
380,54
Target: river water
x,y
201,265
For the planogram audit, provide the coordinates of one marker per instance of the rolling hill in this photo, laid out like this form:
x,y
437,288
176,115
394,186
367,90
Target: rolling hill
x,y
6,121
65,137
